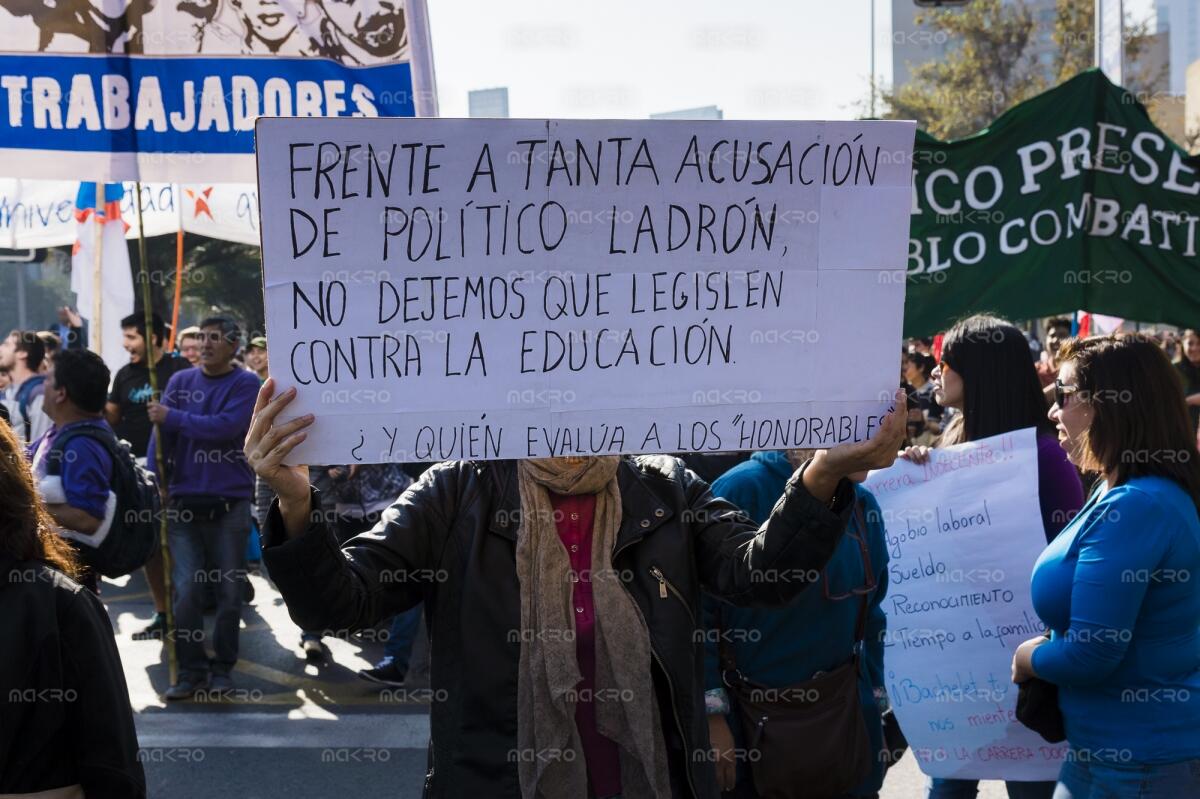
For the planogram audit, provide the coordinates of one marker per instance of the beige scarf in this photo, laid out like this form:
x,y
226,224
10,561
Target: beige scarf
x,y
552,764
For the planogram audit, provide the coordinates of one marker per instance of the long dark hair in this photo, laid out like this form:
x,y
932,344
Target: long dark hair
x,y
1001,390
26,529
1141,426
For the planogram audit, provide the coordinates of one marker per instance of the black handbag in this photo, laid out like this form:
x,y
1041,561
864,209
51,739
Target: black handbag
x,y
895,742
808,740
1037,709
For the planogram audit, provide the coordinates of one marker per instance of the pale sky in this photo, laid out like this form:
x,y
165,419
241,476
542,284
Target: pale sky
x,y
630,58
755,59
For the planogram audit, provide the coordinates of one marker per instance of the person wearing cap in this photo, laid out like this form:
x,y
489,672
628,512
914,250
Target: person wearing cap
x,y
189,344
256,357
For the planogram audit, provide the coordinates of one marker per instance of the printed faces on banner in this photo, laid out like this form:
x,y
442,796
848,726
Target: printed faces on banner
x,y
352,32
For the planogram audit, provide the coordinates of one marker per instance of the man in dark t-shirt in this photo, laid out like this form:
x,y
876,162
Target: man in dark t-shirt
x,y
126,412
126,408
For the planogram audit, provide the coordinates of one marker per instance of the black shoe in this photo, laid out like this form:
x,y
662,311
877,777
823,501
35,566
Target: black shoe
x,y
222,683
154,631
314,650
186,688
386,673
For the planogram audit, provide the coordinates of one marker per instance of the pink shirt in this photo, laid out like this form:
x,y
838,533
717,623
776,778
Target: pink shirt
x,y
573,518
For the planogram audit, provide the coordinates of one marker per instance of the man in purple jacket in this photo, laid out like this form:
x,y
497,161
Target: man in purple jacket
x,y
204,416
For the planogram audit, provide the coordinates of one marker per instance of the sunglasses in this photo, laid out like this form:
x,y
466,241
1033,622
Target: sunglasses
x,y
1062,391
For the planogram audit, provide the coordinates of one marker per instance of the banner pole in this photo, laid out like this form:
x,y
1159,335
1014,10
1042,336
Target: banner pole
x,y
178,269
96,338
163,546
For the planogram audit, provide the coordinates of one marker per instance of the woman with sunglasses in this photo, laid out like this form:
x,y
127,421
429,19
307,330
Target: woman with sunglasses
x,y
987,374
1117,588
778,648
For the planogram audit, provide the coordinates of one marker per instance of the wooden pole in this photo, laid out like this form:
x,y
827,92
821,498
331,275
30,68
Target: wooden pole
x,y
178,286
95,339
163,545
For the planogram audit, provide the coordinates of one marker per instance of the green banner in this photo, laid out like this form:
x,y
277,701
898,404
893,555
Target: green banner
x,y
1072,200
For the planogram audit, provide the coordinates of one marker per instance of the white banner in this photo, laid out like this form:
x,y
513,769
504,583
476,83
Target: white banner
x,y
525,288
963,532
115,287
41,213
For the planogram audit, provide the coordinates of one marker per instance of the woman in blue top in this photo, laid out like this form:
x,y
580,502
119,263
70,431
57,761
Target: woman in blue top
x,y
780,647
1117,587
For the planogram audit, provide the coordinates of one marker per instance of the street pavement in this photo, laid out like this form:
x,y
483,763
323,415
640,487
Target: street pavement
x,y
291,729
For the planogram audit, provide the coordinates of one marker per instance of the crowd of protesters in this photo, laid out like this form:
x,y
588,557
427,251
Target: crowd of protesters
x,y
655,576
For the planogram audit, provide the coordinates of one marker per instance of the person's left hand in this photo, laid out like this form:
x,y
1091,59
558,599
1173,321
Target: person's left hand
x,y
73,317
156,411
877,452
1022,663
829,466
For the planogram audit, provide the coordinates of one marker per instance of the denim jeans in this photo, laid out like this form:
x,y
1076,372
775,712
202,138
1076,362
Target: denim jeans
x,y
402,636
1081,779
222,544
968,789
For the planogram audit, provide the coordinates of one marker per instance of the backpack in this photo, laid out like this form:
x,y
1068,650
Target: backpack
x,y
133,533
25,394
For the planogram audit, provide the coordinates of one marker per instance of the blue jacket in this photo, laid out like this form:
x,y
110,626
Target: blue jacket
x,y
778,647
1118,590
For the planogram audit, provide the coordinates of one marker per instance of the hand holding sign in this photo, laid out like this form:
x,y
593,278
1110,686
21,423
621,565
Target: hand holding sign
x,y
878,452
266,448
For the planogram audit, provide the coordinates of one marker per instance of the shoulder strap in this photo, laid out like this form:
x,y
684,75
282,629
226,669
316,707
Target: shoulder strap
x,y
95,433
860,626
725,656
25,396
29,388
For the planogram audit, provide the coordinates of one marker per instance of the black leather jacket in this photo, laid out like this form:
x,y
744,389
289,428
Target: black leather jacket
x,y
450,540
64,708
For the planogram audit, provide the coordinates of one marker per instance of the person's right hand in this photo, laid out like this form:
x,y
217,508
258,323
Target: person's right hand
x,y
721,738
918,454
268,444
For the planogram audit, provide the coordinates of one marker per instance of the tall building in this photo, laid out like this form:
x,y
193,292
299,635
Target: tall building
x,y
491,103
913,44
703,112
1192,107
1180,20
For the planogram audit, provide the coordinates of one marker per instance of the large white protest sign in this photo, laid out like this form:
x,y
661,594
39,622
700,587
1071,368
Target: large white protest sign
x,y
963,532
527,288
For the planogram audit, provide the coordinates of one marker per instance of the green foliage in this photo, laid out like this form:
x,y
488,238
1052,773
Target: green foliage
x,y
988,70
1074,34
219,277
991,69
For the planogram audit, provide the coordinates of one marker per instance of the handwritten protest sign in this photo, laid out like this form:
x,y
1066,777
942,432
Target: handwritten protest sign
x,y
480,289
963,532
